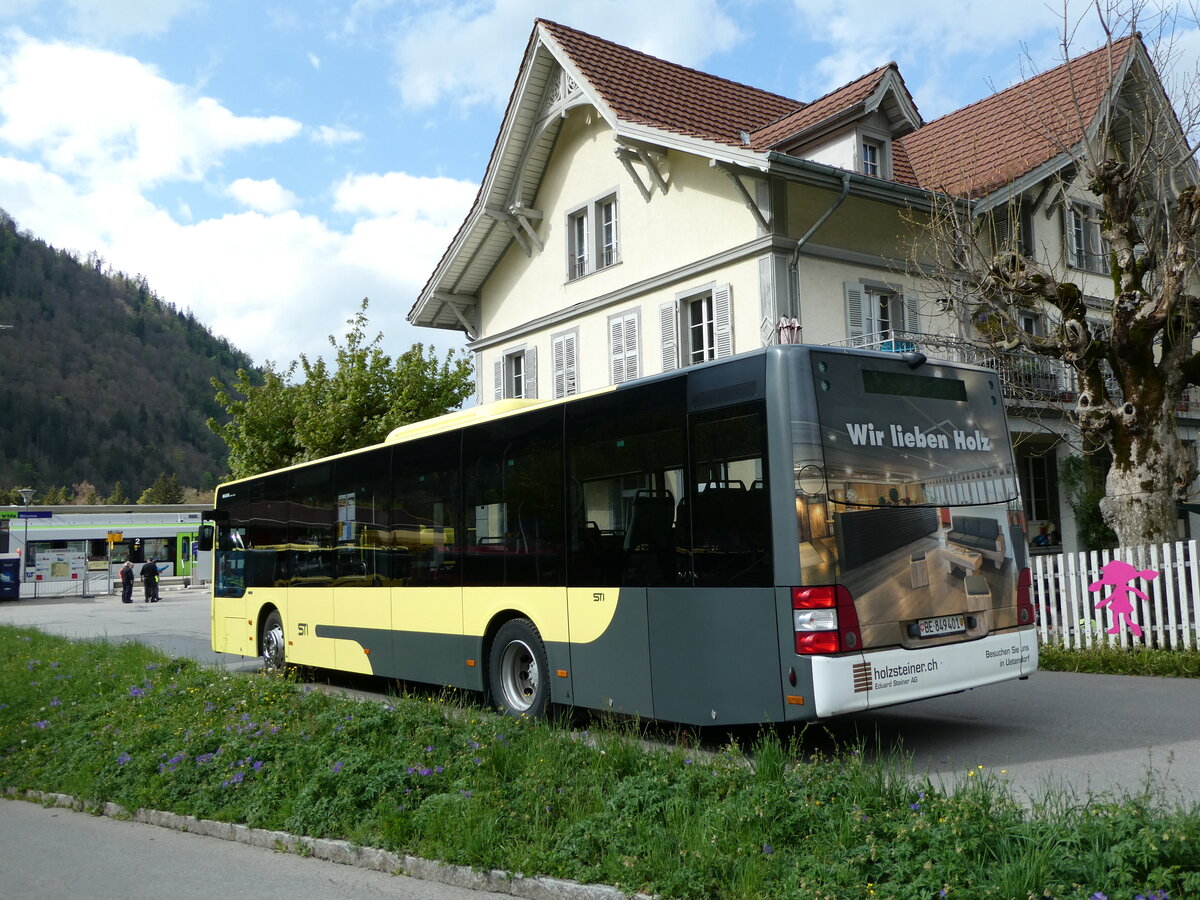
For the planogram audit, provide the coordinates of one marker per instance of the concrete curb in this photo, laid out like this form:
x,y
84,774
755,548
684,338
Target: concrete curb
x,y
343,852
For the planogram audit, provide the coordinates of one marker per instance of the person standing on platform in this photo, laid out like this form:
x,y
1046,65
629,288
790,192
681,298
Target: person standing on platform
x,y
149,573
126,575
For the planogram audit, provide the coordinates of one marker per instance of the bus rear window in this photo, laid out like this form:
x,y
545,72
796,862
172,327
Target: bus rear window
x,y
903,384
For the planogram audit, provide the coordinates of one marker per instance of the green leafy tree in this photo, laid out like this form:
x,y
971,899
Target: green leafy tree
x,y
118,497
354,403
56,495
166,489
261,430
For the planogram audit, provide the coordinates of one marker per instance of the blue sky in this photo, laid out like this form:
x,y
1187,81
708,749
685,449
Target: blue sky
x,y
268,164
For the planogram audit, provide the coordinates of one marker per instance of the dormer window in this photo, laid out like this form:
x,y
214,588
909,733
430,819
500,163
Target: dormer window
x,y
874,153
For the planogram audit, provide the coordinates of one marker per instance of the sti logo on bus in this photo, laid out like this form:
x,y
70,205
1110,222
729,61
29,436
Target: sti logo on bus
x,y
865,434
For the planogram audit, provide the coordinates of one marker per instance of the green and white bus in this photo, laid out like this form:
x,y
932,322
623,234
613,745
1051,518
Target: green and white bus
x,y
787,534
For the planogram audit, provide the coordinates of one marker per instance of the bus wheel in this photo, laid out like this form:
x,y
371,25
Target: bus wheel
x,y
518,670
272,641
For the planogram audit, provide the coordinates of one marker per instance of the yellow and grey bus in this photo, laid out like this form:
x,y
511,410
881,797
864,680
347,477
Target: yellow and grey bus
x,y
787,534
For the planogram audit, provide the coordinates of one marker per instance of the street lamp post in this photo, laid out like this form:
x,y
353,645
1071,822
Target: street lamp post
x,y
26,498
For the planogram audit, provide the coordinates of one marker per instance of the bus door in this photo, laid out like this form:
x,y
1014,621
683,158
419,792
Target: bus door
x,y
10,577
185,553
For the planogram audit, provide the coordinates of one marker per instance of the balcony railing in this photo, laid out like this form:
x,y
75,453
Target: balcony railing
x,y
1024,377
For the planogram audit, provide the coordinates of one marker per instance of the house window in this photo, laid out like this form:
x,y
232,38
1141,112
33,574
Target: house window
x,y
1012,228
872,158
577,258
623,347
607,214
700,345
1031,323
515,375
566,382
876,313
592,237
696,327
1086,248
1036,486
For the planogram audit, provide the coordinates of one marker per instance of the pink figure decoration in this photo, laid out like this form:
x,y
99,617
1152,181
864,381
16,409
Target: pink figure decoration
x,y
1117,575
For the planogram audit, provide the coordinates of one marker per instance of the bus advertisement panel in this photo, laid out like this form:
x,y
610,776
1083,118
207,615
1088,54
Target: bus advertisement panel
x,y
781,535
907,498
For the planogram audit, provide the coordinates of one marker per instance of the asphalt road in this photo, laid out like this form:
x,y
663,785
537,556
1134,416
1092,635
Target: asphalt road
x,y
101,858
1080,733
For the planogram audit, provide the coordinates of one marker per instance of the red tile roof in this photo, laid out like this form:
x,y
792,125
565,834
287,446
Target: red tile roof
x,y
645,90
819,110
988,144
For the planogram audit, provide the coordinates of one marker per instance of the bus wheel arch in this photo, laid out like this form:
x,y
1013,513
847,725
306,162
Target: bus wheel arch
x,y
271,642
518,669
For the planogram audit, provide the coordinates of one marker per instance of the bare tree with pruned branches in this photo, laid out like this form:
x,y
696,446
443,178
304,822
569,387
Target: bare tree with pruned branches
x,y
1134,353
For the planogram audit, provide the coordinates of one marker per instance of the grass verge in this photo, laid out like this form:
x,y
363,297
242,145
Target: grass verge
x,y
123,723
1104,660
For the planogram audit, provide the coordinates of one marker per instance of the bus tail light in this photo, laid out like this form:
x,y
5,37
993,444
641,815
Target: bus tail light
x,y
1024,600
824,620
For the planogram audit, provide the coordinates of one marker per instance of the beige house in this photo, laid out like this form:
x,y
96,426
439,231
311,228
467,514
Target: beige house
x,y
637,216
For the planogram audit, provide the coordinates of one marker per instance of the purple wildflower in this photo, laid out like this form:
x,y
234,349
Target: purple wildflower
x,y
136,691
337,767
123,758
42,724
56,702
768,849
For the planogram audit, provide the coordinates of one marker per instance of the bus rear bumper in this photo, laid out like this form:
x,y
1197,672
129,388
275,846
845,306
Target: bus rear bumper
x,y
872,680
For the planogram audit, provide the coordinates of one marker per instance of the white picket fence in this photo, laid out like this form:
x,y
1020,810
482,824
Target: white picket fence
x,y
1169,619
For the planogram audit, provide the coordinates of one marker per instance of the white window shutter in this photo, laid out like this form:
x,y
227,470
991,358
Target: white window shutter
x,y
723,319
912,314
531,380
616,349
1073,226
668,320
558,351
498,377
632,369
570,378
854,312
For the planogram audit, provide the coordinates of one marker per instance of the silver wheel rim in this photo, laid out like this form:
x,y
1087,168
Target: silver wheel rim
x,y
518,676
273,646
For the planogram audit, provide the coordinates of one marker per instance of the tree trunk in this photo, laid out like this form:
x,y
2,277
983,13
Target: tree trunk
x,y
1150,466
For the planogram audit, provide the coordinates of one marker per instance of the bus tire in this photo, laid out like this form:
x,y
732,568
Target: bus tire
x,y
273,654
518,672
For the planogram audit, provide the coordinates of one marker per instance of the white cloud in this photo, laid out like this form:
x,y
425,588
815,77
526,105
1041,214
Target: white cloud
x,y
331,136
454,51
442,201
103,116
266,196
103,19
314,60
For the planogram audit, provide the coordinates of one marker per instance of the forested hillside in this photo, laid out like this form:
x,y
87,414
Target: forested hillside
x,y
101,380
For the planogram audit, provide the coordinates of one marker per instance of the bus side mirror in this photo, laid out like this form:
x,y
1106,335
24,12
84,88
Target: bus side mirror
x,y
206,537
